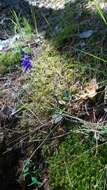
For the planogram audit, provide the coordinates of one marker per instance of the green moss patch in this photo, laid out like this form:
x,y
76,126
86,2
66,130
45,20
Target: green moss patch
x,y
8,60
50,79
75,165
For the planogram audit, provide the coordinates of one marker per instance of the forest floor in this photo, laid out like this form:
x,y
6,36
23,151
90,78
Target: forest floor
x,y
53,95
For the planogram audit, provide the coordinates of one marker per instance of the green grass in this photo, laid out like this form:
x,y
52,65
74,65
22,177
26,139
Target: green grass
x,y
19,24
101,12
9,59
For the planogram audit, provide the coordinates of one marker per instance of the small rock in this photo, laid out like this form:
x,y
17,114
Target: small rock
x,y
57,118
86,34
4,44
57,29
82,44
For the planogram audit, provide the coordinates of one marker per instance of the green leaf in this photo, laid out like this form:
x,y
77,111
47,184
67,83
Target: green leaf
x,y
25,174
27,163
26,170
34,181
105,130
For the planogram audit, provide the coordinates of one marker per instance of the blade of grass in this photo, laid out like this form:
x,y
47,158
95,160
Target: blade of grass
x,y
16,21
34,19
100,12
90,54
48,24
27,26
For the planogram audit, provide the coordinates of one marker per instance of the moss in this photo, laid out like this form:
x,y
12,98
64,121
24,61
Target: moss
x,y
75,165
50,79
8,60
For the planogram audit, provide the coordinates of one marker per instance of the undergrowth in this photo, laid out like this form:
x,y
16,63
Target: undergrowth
x,y
75,164
10,57
59,70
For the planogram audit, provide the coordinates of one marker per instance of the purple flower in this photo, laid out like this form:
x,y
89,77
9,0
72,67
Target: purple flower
x,y
25,60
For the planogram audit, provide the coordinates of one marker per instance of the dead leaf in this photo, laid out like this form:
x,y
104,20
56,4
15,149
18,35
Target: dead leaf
x,y
61,130
90,91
